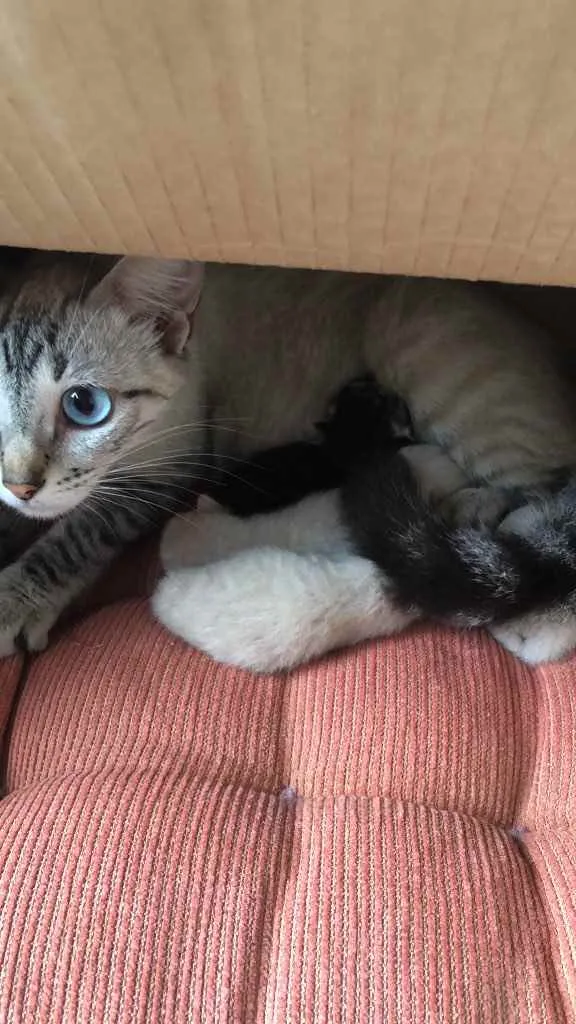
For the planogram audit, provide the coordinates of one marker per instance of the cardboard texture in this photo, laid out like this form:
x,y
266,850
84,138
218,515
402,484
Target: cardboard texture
x,y
415,136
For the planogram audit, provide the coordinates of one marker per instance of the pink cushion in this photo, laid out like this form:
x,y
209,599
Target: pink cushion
x,y
387,836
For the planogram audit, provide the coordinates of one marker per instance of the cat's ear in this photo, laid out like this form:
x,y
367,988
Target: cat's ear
x,y
165,291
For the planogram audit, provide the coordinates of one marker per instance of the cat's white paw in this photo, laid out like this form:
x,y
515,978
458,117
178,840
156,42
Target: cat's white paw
x,y
203,536
538,639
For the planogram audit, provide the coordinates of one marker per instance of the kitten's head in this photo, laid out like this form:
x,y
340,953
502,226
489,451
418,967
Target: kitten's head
x,y
84,378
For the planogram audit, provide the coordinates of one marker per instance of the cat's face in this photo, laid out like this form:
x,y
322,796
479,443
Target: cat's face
x,y
78,392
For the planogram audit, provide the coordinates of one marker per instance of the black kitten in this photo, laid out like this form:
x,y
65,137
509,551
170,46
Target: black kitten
x,y
362,419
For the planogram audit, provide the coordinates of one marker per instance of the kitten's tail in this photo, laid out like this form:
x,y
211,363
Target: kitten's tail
x,y
467,576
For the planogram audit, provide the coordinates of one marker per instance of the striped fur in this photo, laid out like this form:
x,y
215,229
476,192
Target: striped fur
x,y
519,579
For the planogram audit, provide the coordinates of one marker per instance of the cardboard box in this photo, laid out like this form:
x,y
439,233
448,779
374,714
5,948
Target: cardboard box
x,y
417,136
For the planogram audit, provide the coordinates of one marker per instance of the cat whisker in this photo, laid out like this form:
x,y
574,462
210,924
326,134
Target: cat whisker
x,y
233,458
120,474
168,456
177,455
97,512
224,420
168,463
184,428
114,504
119,497
209,418
162,434
82,334
143,478
167,466
137,487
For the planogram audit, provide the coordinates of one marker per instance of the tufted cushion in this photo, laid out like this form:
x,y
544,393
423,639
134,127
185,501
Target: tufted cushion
x,y
386,836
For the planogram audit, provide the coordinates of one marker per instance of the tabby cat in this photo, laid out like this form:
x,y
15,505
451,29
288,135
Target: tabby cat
x,y
105,388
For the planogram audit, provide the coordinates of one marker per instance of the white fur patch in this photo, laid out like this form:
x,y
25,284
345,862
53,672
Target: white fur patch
x,y
269,609
210,534
538,639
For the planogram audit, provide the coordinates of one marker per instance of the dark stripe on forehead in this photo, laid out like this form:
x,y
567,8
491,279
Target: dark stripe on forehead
x,y
25,343
7,354
31,355
7,310
59,362
20,333
50,332
22,348
26,346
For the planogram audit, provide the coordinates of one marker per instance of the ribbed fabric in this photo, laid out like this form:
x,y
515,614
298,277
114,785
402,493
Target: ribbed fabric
x,y
385,837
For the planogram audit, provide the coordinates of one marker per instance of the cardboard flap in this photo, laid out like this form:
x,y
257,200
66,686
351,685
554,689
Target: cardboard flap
x,y
417,136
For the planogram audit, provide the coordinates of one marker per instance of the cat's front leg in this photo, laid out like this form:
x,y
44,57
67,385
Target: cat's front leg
x,y
39,586
63,562
17,534
25,613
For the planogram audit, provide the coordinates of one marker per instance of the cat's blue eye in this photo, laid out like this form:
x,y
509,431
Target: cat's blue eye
x,y
86,406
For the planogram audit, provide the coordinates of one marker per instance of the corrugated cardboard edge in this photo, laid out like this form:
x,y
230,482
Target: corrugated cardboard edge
x,y
414,136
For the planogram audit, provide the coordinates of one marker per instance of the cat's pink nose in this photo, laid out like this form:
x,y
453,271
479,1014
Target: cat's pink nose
x,y
23,491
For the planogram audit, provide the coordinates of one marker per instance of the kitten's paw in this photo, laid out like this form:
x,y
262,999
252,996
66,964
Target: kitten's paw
x,y
203,536
477,506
